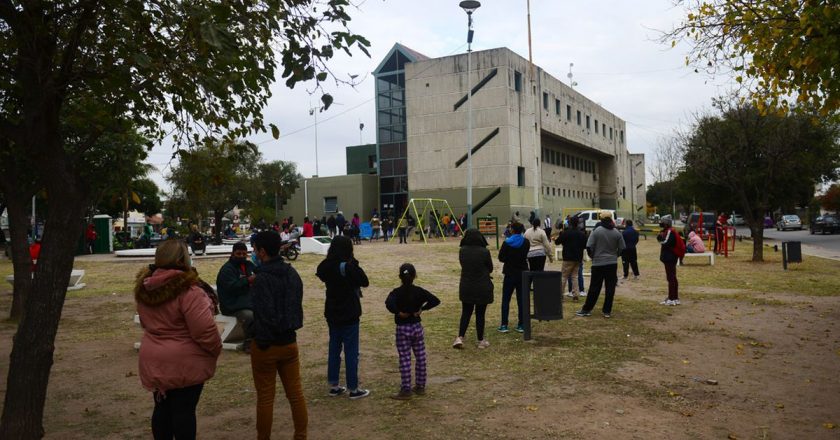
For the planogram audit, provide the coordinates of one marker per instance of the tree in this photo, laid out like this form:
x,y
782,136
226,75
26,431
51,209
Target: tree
x,y
667,163
278,181
778,49
217,177
830,201
762,160
72,71
141,194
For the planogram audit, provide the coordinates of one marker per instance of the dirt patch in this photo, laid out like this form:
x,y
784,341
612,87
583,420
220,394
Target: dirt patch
x,y
774,352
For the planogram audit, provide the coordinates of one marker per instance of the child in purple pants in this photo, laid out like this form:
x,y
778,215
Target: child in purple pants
x,y
406,303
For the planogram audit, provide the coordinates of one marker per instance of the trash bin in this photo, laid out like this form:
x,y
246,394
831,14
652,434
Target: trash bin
x,y
104,243
791,253
547,297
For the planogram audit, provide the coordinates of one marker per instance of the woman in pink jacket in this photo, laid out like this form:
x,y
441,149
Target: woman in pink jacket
x,y
180,342
695,244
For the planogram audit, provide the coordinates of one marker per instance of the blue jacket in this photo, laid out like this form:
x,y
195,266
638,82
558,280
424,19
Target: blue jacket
x,y
631,237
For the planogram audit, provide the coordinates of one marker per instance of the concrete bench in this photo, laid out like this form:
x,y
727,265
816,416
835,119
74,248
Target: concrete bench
x,y
75,282
232,333
709,255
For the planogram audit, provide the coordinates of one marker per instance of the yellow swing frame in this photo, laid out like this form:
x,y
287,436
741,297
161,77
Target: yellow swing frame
x,y
434,205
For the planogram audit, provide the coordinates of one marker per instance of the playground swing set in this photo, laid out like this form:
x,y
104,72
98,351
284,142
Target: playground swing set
x,y
428,212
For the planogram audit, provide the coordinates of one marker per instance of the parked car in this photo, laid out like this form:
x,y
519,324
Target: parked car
x,y
826,223
736,220
700,220
591,218
789,221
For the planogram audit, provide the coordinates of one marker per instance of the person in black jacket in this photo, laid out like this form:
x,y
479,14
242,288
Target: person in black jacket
x,y
573,241
406,303
234,284
476,287
668,258
514,255
629,258
276,296
344,279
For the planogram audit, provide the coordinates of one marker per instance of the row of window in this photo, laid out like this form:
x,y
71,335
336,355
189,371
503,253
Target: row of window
x,y
563,192
568,161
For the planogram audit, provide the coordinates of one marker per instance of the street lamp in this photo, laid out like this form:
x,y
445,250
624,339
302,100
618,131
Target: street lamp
x,y
469,6
313,111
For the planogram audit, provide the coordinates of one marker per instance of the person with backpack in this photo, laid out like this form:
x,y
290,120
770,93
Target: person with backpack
x,y
672,249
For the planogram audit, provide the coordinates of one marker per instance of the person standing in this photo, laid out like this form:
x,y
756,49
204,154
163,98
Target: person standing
x,y
668,240
573,241
540,247
234,284
406,303
547,226
308,229
629,258
331,225
276,294
344,279
340,221
604,245
376,227
180,342
402,227
514,255
90,237
475,289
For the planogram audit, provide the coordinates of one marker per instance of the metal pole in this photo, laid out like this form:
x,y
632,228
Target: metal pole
x,y
316,143
537,150
306,196
34,222
469,122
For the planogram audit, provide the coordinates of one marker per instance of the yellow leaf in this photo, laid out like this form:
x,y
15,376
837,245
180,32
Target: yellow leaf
x,y
780,405
135,198
829,425
739,79
685,361
532,408
673,43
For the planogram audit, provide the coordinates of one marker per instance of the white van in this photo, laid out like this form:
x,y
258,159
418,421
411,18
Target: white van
x,y
591,218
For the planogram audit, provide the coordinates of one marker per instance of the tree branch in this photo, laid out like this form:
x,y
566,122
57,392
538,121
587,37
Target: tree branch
x,y
71,50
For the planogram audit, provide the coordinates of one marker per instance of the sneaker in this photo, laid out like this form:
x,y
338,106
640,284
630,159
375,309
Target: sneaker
x,y
459,343
667,302
402,395
520,329
419,390
483,344
607,315
569,294
503,329
359,393
635,278
336,391
676,302
583,313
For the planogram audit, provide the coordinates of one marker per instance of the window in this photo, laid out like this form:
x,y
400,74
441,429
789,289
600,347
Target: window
x,y
564,159
331,204
557,107
568,112
596,126
545,100
621,136
610,133
372,161
517,81
604,130
553,191
564,192
520,176
578,117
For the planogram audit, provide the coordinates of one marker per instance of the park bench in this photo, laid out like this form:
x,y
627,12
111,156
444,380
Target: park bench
x,y
232,333
75,280
709,255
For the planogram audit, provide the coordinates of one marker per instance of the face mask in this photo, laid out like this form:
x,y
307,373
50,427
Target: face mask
x,y
239,260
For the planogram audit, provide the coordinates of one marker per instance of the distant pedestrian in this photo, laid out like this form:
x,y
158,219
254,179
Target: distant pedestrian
x,y
604,245
407,302
547,225
331,225
540,247
629,258
668,256
90,237
475,289
573,241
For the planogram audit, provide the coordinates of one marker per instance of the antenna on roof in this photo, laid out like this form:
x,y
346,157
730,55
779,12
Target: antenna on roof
x,y
572,83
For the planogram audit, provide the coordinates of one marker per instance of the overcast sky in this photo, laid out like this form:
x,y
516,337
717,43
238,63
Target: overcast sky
x,y
618,63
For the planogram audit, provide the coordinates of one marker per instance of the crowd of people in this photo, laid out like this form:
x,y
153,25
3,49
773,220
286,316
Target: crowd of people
x,y
181,343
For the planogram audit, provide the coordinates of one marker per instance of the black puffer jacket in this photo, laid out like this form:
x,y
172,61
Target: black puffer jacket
x,y
476,286
276,296
343,306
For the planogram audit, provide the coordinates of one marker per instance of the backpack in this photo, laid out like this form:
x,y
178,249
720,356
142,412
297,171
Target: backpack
x,y
679,244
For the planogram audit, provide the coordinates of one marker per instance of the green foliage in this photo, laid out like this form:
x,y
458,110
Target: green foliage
x,y
785,51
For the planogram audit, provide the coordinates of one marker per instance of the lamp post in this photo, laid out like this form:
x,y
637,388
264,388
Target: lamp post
x,y
469,6
313,111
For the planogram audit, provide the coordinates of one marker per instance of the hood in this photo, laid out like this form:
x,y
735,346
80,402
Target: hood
x,y
275,266
155,287
608,223
691,235
473,238
515,240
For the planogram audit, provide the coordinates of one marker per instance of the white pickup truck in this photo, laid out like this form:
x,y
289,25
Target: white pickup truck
x,y
591,218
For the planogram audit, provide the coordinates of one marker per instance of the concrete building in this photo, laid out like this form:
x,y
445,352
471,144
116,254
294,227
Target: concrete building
x,y
361,159
537,144
325,196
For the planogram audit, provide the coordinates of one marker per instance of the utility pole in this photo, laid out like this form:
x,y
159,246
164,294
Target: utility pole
x,y
535,133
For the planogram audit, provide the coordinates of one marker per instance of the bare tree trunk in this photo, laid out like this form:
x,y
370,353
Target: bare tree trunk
x,y
757,232
217,231
21,261
34,343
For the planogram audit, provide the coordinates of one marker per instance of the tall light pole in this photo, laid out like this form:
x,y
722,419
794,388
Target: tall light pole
x,y
313,111
469,6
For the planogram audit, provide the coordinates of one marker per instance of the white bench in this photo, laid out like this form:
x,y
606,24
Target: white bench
x,y
232,333
710,255
75,280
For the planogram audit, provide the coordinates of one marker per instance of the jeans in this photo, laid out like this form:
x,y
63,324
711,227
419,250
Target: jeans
x,y
466,314
174,415
512,282
402,235
600,275
629,259
536,264
673,284
570,280
282,360
346,337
